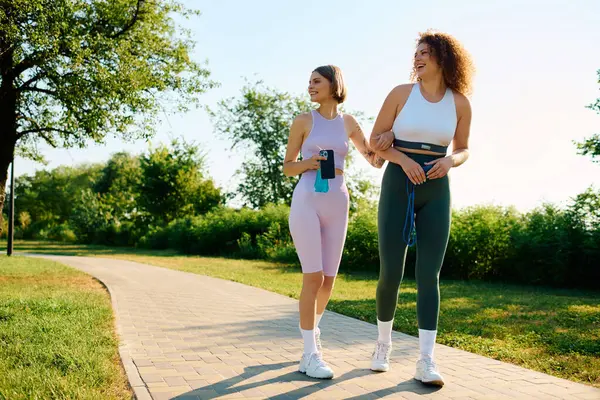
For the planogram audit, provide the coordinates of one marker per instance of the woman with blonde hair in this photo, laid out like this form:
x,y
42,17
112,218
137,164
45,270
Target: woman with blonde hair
x,y
319,211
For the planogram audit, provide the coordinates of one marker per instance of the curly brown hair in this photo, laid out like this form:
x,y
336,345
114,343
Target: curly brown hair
x,y
455,61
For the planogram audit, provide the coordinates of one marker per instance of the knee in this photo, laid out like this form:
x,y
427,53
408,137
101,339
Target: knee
x,y
389,283
427,281
328,283
312,283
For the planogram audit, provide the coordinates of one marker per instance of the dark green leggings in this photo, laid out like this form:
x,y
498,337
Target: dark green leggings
x,y
432,208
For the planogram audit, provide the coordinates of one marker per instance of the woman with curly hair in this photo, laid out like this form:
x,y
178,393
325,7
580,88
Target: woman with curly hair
x,y
414,205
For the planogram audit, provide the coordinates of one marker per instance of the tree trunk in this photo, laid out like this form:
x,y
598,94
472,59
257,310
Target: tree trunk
x,y
8,118
6,155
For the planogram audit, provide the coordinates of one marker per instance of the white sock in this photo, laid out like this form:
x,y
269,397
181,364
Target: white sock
x,y
310,343
317,320
385,331
427,343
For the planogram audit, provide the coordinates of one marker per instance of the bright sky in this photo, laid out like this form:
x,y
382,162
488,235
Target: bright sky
x,y
536,62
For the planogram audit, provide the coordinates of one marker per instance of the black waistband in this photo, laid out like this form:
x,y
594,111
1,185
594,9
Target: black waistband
x,y
420,146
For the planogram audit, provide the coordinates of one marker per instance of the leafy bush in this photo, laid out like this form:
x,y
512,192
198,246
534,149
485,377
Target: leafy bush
x,y
546,246
480,241
226,231
61,233
361,252
92,219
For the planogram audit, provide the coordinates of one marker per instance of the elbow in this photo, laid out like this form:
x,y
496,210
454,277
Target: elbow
x,y
377,161
463,153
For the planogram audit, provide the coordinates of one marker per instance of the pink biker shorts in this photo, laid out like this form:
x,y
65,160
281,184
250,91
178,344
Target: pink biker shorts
x,y
319,223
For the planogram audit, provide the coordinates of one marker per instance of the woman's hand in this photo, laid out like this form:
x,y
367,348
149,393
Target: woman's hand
x,y
313,162
382,141
440,168
413,170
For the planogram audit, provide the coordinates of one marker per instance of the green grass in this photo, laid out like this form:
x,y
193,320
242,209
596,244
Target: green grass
x,y
549,330
56,334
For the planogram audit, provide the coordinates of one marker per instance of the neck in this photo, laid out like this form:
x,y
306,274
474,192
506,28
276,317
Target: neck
x,y
434,86
328,109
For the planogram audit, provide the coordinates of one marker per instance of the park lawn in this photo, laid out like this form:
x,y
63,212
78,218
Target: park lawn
x,y
57,338
555,331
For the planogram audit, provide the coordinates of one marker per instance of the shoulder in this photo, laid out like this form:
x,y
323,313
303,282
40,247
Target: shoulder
x,y
404,88
303,117
349,119
401,91
463,105
351,124
303,120
398,97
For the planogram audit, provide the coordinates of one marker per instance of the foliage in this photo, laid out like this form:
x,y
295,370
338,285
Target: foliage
x,y
48,196
546,246
118,183
258,123
591,145
173,184
74,71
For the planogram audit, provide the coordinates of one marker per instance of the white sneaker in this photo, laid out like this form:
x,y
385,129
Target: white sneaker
x,y
427,373
313,365
318,340
381,357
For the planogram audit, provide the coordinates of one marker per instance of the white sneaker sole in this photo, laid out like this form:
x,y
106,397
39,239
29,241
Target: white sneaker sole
x,y
316,377
436,382
380,368
303,371
320,377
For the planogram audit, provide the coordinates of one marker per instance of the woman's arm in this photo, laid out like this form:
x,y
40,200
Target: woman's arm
x,y
386,116
358,138
460,143
384,122
292,167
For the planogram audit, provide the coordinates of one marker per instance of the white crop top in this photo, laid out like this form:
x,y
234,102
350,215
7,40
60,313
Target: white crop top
x,y
426,122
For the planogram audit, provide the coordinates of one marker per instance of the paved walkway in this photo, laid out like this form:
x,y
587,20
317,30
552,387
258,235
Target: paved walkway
x,y
187,336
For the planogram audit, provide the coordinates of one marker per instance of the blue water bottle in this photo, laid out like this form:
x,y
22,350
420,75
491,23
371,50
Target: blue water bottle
x,y
321,185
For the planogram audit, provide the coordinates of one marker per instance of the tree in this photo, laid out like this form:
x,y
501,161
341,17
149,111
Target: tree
x,y
173,185
585,209
591,145
118,183
258,124
93,219
72,71
49,196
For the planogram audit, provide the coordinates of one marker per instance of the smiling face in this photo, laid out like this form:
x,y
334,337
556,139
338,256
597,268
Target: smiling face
x,y
319,88
327,83
425,63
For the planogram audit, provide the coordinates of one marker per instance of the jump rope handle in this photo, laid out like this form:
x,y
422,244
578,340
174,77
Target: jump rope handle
x,y
409,233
